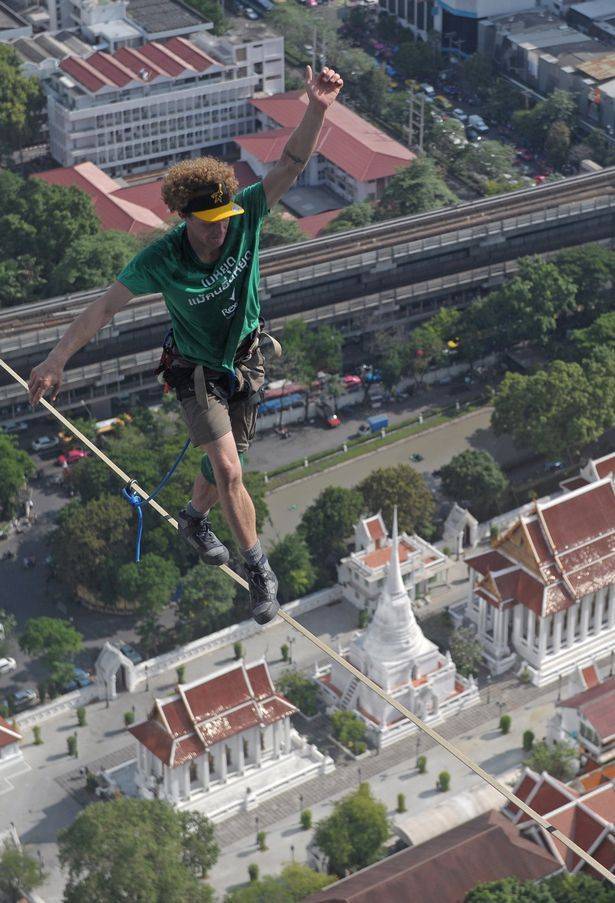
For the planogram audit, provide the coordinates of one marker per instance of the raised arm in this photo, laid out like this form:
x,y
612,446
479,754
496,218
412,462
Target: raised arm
x,y
322,92
48,374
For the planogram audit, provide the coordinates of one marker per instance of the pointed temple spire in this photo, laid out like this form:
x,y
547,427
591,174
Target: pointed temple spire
x,y
395,584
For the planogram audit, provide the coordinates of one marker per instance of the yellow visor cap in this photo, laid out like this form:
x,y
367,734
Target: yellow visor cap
x,y
214,214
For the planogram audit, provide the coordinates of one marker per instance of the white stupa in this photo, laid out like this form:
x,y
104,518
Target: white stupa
x,y
395,653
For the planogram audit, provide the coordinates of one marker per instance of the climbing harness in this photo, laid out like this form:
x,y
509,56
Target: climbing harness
x,y
555,833
137,502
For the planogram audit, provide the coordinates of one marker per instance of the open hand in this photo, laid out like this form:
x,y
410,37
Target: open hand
x,y
47,375
323,89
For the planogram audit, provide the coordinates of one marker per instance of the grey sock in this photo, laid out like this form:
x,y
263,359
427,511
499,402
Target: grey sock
x,y
191,511
255,555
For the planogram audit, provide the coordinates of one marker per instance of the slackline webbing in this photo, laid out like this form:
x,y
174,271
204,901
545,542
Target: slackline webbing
x,y
553,832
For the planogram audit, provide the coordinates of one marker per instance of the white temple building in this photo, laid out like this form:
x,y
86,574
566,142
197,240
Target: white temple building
x,y
394,652
223,744
362,574
10,738
542,598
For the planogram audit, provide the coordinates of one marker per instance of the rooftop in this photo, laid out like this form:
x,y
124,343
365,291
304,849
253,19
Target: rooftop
x,y
350,142
597,705
159,16
595,9
10,19
602,67
484,849
7,734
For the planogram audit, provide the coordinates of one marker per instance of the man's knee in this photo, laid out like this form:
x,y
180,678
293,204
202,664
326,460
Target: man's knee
x,y
227,472
228,475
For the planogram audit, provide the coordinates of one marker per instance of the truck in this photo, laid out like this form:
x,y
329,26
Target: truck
x,y
378,422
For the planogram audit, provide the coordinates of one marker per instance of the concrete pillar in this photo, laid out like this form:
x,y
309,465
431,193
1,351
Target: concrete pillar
x,y
223,769
599,611
257,747
287,734
557,632
239,762
517,617
571,625
482,616
584,617
531,622
276,740
611,621
543,629
206,770
186,780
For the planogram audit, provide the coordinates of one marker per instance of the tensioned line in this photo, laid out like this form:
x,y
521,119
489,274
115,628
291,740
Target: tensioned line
x,y
437,738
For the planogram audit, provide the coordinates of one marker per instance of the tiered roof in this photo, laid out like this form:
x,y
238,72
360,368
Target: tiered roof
x,y
155,61
208,711
555,556
586,819
354,145
8,734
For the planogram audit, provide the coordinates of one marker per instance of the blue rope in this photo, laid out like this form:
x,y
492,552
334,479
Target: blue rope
x,y
137,502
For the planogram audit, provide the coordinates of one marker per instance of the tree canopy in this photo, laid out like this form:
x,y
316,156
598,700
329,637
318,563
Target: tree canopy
x,y
206,601
54,638
326,526
139,850
415,189
558,759
299,690
22,105
16,467
474,477
290,559
563,888
353,835
295,883
19,873
403,486
466,651
280,230
351,217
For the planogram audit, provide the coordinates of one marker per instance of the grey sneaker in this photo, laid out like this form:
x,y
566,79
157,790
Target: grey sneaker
x,y
263,584
198,533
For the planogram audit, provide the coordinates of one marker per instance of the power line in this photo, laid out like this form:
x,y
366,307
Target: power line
x,y
316,641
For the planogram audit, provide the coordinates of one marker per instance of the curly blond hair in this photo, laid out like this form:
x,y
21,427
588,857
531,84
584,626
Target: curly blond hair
x,y
185,180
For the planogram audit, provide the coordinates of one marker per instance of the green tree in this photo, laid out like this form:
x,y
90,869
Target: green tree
x,y
558,759
402,486
199,848
600,334
206,601
8,623
557,144
555,412
54,638
327,524
149,584
391,355
280,230
352,217
295,883
299,690
466,651
592,269
19,873
565,888
133,849
414,189
290,559
92,260
492,159
477,73
416,59
373,85
475,477
509,890
15,470
308,351
353,835
20,280
501,100
348,728
22,105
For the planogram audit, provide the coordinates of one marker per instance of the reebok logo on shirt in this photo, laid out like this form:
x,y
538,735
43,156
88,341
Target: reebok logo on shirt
x,y
229,311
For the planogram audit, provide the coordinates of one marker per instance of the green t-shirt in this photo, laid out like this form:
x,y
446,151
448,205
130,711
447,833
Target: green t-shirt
x,y
212,306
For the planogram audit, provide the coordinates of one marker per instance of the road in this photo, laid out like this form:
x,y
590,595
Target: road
x,y
438,446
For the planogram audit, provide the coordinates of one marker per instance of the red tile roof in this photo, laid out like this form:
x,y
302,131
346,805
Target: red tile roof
x,y
154,60
374,527
7,734
312,226
569,543
590,676
597,705
542,792
446,868
605,466
210,711
350,142
573,483
379,557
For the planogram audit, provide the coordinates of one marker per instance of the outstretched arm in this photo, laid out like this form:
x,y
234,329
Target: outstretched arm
x,y
322,92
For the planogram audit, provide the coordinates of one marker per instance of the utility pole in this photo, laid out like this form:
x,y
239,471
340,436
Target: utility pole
x,y
416,120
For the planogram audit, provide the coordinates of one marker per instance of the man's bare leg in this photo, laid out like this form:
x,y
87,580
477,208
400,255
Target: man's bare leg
x,y
204,494
232,494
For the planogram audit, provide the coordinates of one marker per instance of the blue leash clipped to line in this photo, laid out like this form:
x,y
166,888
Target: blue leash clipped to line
x,y
137,502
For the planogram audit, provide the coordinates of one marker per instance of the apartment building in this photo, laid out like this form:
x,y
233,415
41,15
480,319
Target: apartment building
x,y
140,109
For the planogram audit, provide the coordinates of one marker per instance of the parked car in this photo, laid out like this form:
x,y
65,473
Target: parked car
x,y
328,415
473,136
524,154
428,89
444,381
552,466
131,653
70,457
81,678
443,102
7,665
22,699
460,115
250,13
44,443
14,426
478,123
416,456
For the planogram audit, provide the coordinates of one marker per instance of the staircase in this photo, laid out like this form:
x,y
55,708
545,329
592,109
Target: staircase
x,y
349,692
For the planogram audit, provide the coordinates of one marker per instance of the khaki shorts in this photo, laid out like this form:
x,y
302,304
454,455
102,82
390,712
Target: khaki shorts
x,y
220,416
